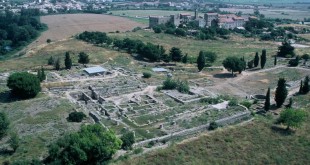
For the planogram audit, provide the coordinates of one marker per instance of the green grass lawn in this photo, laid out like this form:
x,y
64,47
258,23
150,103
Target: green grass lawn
x,y
257,142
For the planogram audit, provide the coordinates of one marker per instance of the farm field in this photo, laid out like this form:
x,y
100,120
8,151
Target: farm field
x,y
64,26
256,142
274,13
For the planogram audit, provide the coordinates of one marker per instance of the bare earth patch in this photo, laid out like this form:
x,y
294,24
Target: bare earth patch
x,y
63,26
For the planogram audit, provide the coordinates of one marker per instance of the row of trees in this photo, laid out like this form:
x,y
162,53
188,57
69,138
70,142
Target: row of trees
x,y
148,51
18,29
282,92
83,59
199,33
255,61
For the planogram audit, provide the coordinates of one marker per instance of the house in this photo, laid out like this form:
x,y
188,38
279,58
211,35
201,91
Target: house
x,y
92,71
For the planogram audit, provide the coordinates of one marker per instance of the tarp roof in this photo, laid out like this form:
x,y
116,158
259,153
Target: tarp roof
x,y
96,69
159,70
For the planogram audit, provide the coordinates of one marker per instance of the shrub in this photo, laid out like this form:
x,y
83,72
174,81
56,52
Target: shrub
x,y
147,75
183,87
48,41
233,102
169,84
157,29
76,116
138,150
246,104
24,85
128,140
210,100
213,125
4,124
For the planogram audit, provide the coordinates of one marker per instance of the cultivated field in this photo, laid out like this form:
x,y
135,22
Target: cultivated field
x,y
63,26
274,13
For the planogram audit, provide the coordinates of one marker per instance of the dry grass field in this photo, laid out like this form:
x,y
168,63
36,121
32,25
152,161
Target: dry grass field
x,y
63,26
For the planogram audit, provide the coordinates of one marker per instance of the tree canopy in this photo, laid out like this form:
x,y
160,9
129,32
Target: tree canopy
x,y
286,50
91,145
18,29
292,117
24,85
234,64
83,58
176,54
68,61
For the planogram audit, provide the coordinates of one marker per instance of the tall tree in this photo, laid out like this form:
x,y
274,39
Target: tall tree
x,y
263,59
68,61
4,124
275,60
256,59
57,64
185,59
201,61
267,101
51,61
305,88
300,88
83,58
176,54
281,92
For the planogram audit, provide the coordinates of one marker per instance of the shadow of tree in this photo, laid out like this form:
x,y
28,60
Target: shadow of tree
x,y
224,75
6,152
5,97
282,131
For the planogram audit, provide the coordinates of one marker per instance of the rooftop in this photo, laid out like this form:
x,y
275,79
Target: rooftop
x,y
96,69
159,70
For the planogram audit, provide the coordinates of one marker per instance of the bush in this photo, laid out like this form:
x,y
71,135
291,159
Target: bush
x,y
76,116
48,41
169,84
24,85
157,29
183,87
213,125
128,140
233,102
147,75
246,104
4,124
138,150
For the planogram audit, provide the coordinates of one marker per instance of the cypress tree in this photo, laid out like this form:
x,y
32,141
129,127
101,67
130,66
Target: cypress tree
x,y
201,61
281,92
305,88
43,75
263,59
51,61
256,60
57,64
39,74
267,101
68,61
300,88
275,60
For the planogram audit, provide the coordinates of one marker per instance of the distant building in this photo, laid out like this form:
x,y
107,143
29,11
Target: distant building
x,y
226,21
92,71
